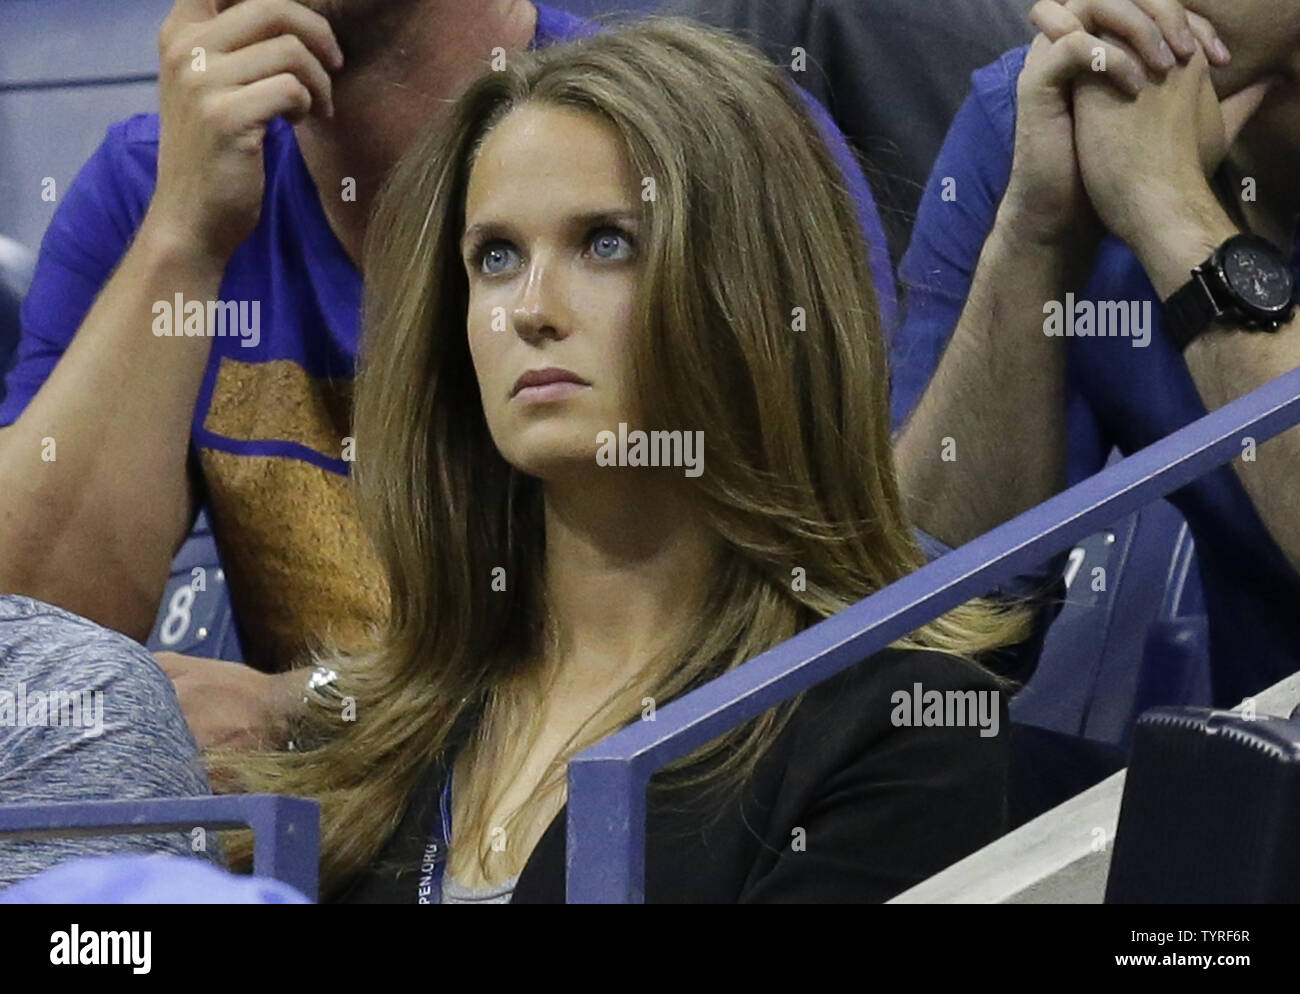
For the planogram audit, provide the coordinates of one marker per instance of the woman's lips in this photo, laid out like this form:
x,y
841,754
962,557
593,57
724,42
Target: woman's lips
x,y
541,385
547,392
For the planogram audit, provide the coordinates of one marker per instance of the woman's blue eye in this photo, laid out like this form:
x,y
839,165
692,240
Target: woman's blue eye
x,y
607,244
611,245
496,258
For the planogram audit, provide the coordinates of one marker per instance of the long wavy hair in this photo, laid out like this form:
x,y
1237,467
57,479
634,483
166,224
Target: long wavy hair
x,y
757,321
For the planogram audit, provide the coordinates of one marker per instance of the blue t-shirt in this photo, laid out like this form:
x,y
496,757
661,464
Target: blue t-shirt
x,y
272,417
1117,395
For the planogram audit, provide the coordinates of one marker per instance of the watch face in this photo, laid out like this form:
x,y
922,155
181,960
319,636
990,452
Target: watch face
x,y
1255,276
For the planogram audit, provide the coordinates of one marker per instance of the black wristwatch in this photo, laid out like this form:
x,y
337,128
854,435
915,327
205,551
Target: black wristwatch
x,y
1246,284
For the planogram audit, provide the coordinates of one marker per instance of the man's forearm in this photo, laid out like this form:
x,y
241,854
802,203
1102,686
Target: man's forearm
x,y
96,492
1226,363
987,440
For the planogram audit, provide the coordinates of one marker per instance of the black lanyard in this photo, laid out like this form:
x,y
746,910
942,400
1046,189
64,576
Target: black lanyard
x,y
434,859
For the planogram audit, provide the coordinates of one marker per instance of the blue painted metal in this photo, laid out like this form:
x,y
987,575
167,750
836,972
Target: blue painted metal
x,y
286,830
620,813
606,823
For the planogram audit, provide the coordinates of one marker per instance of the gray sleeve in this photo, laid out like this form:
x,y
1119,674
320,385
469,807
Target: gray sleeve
x,y
87,714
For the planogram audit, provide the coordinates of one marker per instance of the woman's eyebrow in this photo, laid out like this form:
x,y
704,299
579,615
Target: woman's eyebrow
x,y
614,216
485,228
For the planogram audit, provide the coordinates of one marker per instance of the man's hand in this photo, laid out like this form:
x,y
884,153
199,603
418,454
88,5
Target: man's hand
x,y
224,77
1138,40
1001,380
1146,162
233,706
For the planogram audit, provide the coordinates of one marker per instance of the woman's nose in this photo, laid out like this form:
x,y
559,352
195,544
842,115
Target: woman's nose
x,y
539,313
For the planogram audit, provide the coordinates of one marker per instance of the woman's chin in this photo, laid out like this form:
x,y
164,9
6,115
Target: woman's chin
x,y
555,464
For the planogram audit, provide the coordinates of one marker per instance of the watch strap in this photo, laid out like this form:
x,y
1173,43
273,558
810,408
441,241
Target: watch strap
x,y
1190,312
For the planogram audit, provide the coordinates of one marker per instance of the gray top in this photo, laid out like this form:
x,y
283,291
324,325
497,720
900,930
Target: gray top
x,y
87,714
454,892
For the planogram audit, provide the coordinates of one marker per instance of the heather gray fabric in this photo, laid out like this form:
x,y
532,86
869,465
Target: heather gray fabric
x,y
115,732
454,892
892,73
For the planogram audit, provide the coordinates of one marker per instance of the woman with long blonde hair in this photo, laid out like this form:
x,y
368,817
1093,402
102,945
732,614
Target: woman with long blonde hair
x,y
621,425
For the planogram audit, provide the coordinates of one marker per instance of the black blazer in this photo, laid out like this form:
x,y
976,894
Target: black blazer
x,y
882,807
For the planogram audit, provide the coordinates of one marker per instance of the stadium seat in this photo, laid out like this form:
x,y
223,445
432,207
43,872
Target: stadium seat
x,y
1211,811
1089,667
1176,663
1132,633
1147,660
1113,652
195,617
1057,697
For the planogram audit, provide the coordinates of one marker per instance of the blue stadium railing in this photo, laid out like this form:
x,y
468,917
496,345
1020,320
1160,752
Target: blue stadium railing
x,y
607,782
286,830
